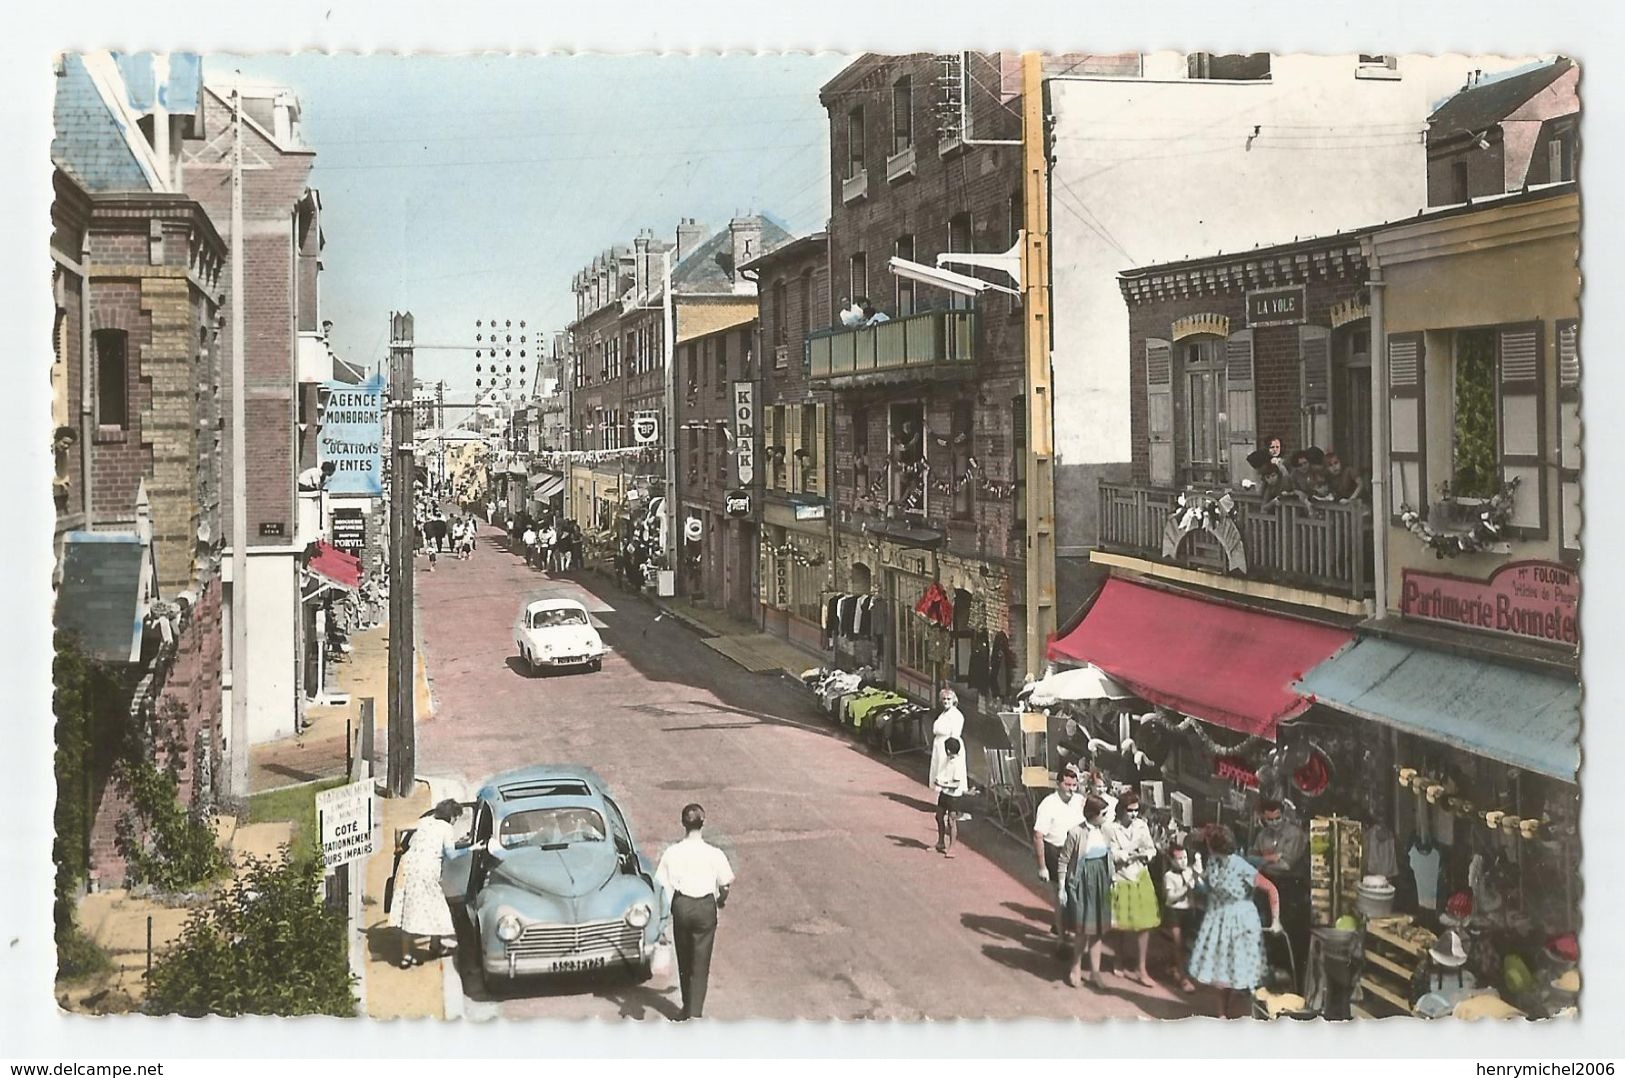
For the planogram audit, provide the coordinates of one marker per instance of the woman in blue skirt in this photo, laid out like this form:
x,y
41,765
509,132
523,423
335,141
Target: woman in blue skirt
x,y
1085,870
1229,949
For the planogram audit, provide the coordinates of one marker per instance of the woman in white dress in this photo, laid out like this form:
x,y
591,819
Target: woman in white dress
x,y
419,909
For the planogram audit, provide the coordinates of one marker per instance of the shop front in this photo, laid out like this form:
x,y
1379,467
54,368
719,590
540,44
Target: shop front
x,y
794,573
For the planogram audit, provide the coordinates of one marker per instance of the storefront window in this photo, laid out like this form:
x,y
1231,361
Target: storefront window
x,y
1475,472
913,631
808,585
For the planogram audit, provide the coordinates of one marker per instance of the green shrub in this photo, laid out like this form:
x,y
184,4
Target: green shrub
x,y
265,945
77,955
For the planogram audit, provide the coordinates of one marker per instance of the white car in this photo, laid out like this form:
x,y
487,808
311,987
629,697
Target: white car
x,y
552,633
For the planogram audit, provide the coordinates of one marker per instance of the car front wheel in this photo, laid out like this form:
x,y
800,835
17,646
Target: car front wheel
x,y
596,664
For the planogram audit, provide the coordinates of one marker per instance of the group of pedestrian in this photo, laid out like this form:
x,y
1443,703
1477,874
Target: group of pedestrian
x,y
436,533
1099,864
547,543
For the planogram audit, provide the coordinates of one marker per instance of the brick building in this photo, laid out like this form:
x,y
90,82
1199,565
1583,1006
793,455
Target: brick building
x,y
927,409
1504,134
792,462
281,245
135,378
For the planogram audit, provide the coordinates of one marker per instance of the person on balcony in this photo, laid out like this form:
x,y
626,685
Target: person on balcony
x,y
852,314
1270,470
872,317
1344,479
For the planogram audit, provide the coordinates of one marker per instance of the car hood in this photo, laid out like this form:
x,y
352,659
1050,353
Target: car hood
x,y
584,638
575,870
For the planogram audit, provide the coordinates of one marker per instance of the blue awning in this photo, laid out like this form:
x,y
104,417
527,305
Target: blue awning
x,y
1517,716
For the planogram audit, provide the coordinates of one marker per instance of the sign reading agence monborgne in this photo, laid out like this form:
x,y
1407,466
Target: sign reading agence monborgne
x,y
352,437
344,820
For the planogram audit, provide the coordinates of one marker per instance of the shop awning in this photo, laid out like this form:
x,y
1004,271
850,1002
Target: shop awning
x,y
1217,663
1078,685
545,486
1517,716
334,566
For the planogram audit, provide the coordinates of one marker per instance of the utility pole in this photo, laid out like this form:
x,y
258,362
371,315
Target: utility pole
x,y
1035,274
668,423
402,636
238,784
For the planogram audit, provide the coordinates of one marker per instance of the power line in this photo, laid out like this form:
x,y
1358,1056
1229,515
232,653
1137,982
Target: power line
x,y
620,156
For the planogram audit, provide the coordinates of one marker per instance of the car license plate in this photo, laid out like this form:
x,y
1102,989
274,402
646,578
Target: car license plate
x,y
572,965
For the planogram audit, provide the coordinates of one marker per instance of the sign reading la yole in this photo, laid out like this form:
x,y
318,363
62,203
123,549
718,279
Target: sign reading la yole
x,y
1536,599
1276,306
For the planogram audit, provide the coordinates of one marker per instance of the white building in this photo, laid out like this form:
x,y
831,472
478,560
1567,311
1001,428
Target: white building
x,y
1200,155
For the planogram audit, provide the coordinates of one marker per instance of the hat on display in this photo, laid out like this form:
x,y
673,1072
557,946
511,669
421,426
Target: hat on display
x,y
1258,458
1314,776
1458,910
1448,950
1563,948
1568,982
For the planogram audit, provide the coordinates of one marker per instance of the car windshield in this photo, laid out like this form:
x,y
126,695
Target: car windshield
x,y
551,827
552,619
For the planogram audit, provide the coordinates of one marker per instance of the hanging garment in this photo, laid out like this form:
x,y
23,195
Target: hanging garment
x,y
861,620
1380,859
980,680
832,620
849,610
1422,857
935,605
1001,662
1444,826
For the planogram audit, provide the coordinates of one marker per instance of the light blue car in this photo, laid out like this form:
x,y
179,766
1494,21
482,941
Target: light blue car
x,y
551,879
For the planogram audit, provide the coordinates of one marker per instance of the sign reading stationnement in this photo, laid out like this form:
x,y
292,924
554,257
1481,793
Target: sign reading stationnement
x,y
1538,600
744,423
1277,306
352,437
344,820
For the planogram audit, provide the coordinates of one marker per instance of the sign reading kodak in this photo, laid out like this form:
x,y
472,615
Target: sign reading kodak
x,y
1538,600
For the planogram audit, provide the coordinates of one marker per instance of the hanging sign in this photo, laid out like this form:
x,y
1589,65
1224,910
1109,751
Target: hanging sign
x,y
1276,307
352,436
737,503
693,529
1233,770
1533,599
646,427
744,421
811,512
349,531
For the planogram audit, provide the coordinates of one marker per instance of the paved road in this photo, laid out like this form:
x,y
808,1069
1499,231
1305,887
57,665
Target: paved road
x,y
842,909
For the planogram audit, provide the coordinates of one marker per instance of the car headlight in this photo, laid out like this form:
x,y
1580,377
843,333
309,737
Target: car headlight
x,y
509,928
639,915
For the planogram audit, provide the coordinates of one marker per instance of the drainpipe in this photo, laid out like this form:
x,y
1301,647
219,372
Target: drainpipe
x,y
1381,467
87,406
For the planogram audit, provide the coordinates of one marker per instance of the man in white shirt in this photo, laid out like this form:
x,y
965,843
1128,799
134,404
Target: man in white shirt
x,y
1057,814
695,877
952,784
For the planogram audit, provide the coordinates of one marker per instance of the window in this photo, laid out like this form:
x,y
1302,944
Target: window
x,y
804,315
959,239
693,368
1234,67
1203,385
902,114
747,353
906,458
904,248
781,329
1377,66
807,588
960,449
807,455
1475,471
693,455
854,142
913,631
1018,455
777,449
857,277
1458,181
860,451
720,389
112,378
1560,155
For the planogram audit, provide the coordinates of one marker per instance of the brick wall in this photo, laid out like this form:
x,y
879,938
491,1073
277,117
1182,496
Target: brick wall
x,y
1486,173
120,458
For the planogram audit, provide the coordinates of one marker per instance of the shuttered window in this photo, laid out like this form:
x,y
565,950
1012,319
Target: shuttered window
x,y
1521,359
1159,403
1568,430
1407,422
1018,456
1241,411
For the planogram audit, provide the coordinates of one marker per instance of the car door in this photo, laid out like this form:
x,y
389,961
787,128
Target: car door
x,y
623,839
458,864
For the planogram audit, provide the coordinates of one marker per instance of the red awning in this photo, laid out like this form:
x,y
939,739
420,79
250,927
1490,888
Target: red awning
x,y
335,566
1230,667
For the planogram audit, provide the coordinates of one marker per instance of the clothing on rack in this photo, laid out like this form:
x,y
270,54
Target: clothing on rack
x,y
980,654
1380,859
1001,662
936,606
1422,859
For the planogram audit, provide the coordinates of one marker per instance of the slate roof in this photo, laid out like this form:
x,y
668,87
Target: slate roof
x,y
710,267
90,143
1489,103
100,597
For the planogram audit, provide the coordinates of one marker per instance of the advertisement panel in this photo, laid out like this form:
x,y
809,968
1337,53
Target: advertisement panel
x,y
352,437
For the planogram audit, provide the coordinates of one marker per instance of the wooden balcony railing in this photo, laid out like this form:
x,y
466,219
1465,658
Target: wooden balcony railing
x,y
1324,546
931,342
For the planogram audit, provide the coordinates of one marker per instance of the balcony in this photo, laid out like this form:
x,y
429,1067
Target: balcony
x,y
855,186
923,347
1320,546
901,165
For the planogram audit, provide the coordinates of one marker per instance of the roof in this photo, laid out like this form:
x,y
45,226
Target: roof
x,y
1219,663
796,248
554,604
1487,104
96,141
709,268
102,598
1516,716
512,783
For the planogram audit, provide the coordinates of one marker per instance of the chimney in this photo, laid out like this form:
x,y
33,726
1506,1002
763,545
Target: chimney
x,y
690,234
626,271
746,233
640,248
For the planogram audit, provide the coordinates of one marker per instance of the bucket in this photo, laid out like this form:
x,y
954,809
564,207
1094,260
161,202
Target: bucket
x,y
1374,897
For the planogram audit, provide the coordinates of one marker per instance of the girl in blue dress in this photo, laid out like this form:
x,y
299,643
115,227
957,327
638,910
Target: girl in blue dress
x,y
1229,949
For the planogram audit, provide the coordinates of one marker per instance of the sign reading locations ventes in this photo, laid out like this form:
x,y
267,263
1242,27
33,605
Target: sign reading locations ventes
x,y
744,418
352,436
344,821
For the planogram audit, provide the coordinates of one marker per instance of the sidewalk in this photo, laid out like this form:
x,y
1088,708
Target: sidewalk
x,y
742,642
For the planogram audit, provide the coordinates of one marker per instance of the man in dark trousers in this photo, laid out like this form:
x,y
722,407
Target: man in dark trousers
x,y
695,877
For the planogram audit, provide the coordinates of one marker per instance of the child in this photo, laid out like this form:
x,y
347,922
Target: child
x,y
1180,914
951,785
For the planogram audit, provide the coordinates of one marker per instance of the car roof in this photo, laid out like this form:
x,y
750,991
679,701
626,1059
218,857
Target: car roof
x,y
564,785
553,604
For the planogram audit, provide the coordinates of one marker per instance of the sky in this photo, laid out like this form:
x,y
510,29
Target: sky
x,y
473,188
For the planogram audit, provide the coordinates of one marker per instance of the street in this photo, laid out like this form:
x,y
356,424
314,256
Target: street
x,y
842,909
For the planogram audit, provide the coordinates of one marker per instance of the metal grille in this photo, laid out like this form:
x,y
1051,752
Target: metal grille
x,y
563,941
